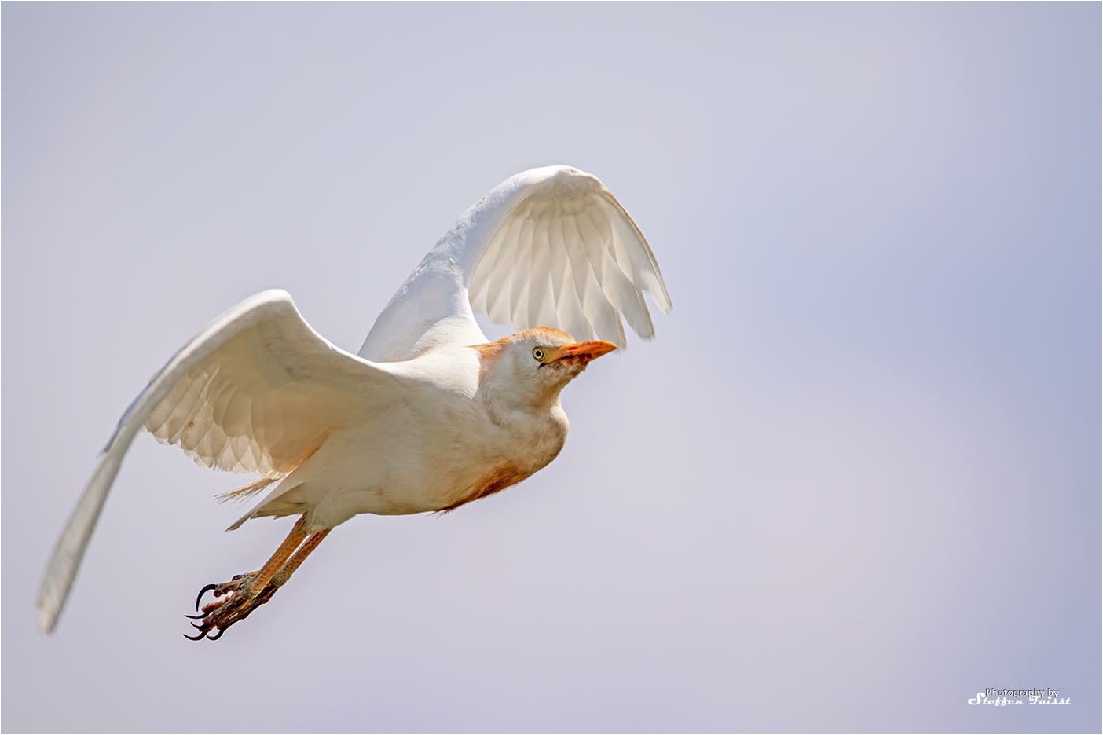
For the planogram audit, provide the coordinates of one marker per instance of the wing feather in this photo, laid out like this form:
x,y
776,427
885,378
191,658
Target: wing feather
x,y
541,292
548,247
498,280
645,270
570,308
519,301
594,303
622,292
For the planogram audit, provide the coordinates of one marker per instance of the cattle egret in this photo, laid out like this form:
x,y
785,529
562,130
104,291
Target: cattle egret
x,y
428,416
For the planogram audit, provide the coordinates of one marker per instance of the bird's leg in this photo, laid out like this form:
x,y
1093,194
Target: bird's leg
x,y
235,596
242,610
285,572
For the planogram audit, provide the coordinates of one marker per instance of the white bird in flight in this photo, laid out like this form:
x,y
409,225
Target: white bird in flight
x,y
428,416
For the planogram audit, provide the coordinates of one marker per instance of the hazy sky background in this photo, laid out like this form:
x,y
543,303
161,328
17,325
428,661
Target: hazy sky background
x,y
854,480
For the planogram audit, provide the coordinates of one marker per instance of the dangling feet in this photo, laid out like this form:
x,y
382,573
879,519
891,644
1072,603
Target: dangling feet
x,y
236,599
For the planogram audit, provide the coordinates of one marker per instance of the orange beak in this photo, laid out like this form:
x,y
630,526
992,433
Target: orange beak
x,y
585,351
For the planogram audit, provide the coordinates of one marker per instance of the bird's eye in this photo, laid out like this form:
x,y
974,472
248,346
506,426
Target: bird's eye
x,y
538,353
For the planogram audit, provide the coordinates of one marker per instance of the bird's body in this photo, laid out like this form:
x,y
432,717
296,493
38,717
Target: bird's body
x,y
429,416
446,445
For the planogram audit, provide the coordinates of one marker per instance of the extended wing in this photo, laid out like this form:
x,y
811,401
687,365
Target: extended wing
x,y
548,247
257,391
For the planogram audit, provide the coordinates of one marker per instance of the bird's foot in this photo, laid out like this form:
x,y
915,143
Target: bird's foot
x,y
234,601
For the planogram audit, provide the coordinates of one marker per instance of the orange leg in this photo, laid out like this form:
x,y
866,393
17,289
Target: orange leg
x,y
289,568
297,559
246,592
278,559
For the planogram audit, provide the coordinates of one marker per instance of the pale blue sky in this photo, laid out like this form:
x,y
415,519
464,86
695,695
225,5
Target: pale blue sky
x,y
855,479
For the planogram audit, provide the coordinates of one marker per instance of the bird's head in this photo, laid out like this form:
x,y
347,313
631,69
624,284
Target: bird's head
x,y
530,368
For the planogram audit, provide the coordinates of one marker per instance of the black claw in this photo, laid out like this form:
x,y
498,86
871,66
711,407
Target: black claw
x,y
200,616
217,635
205,590
199,637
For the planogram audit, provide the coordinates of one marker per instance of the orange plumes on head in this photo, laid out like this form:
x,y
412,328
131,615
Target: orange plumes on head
x,y
551,333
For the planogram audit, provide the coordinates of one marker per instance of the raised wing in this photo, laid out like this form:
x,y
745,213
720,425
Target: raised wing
x,y
258,391
548,247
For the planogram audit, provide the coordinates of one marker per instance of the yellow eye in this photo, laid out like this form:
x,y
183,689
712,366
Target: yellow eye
x,y
538,353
